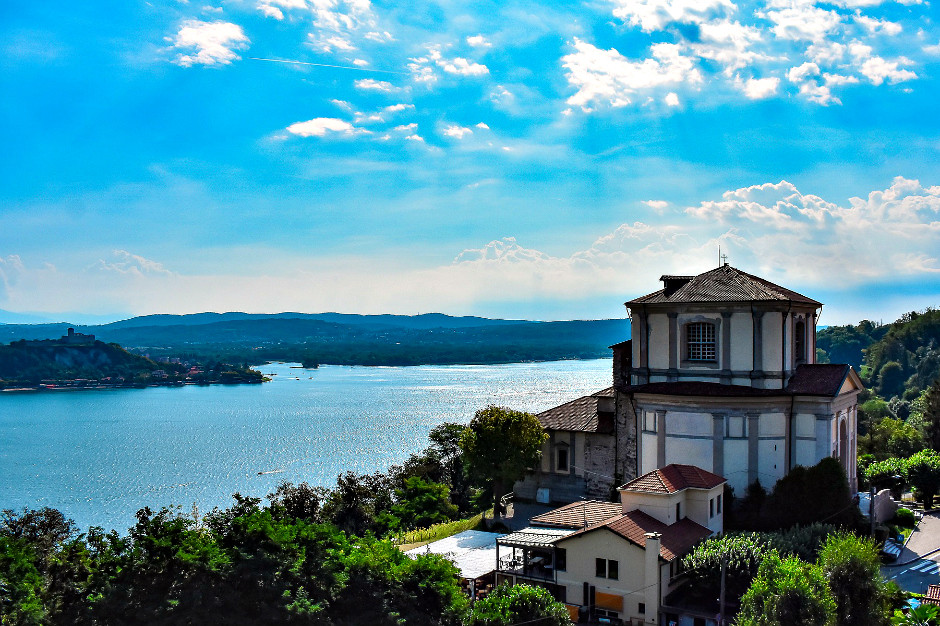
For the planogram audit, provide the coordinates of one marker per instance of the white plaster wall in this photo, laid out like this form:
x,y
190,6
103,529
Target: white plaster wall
x,y
687,423
772,424
735,465
689,451
804,425
659,506
578,455
648,452
546,460
659,341
805,453
771,341
698,508
771,455
580,569
742,343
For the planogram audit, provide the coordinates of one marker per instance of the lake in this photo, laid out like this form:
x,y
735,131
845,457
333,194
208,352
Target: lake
x,y
99,456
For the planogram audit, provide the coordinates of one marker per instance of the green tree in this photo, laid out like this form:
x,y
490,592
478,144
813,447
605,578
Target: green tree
x,y
922,470
509,604
851,565
742,555
923,615
816,494
499,445
787,592
421,503
930,411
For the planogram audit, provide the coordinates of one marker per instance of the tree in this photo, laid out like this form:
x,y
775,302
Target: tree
x,y
851,565
931,415
922,470
815,494
787,592
518,604
500,444
923,615
742,555
422,503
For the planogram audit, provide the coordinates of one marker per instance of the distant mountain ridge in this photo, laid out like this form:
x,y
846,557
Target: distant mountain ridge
x,y
348,339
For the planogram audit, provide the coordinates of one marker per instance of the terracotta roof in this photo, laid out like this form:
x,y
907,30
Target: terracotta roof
x,y
933,595
723,284
818,380
579,415
673,478
575,515
676,540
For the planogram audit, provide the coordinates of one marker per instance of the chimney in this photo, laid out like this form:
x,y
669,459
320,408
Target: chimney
x,y
653,580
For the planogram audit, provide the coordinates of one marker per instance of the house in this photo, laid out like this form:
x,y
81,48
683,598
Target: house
x,y
620,561
720,372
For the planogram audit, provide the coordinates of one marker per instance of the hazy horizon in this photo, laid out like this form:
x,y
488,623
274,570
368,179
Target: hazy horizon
x,y
519,160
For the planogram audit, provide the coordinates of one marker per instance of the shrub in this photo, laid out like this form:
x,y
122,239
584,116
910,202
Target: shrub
x,y
905,518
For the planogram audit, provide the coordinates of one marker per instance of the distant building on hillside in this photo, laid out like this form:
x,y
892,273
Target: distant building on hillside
x,y
76,339
720,372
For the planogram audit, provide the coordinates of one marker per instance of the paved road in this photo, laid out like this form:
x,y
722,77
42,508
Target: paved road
x,y
920,568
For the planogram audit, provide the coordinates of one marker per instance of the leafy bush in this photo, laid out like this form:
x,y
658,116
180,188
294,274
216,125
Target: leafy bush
x,y
905,518
518,604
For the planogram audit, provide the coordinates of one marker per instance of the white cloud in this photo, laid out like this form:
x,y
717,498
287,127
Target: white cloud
x,y
478,41
321,126
395,108
651,15
370,84
802,21
760,88
406,127
606,76
672,99
812,84
124,262
342,104
360,62
879,70
657,205
463,67
214,43
415,137
874,26
483,126
457,132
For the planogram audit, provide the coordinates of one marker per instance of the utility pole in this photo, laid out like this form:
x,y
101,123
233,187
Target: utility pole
x,y
721,595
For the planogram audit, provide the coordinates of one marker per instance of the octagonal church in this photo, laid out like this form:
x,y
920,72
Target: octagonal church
x,y
720,372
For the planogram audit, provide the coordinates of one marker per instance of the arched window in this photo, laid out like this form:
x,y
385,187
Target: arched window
x,y
700,341
799,341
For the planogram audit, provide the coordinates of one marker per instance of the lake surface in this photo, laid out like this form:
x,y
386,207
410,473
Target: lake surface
x,y
99,456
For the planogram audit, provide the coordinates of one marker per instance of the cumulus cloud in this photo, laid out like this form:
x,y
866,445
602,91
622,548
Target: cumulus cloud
x,y
423,68
608,77
478,41
322,126
124,262
759,88
652,15
370,84
457,132
209,43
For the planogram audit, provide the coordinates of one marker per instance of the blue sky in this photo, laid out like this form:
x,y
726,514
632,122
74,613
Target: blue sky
x,y
507,159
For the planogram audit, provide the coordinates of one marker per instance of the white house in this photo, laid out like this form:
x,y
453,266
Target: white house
x,y
620,561
720,372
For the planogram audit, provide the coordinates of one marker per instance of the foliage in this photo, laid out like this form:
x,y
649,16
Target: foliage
x,y
787,592
741,552
922,470
905,518
806,495
245,564
891,437
500,444
882,473
851,566
439,531
923,615
804,542
421,503
906,359
846,344
929,410
514,604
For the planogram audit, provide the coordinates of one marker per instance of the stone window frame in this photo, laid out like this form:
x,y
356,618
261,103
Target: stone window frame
x,y
799,341
744,427
684,328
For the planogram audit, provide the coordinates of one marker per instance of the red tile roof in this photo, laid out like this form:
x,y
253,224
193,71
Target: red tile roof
x,y
676,540
723,284
808,380
575,515
818,380
581,415
673,478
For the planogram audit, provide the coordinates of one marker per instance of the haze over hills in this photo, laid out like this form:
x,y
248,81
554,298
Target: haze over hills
x,y
347,339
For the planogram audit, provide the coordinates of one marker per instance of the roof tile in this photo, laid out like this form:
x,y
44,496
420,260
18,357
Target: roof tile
x,y
723,284
578,514
672,478
676,540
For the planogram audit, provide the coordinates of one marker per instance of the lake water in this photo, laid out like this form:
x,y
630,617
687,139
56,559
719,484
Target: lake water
x,y
99,456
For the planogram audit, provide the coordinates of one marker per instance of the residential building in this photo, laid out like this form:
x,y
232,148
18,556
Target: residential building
x,y
620,561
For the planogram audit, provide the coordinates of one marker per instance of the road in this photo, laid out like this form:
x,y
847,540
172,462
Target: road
x,y
918,566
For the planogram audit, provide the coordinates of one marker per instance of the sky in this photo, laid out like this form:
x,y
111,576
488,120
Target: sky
x,y
514,159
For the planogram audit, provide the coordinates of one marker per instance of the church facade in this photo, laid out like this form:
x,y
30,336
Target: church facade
x,y
720,373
